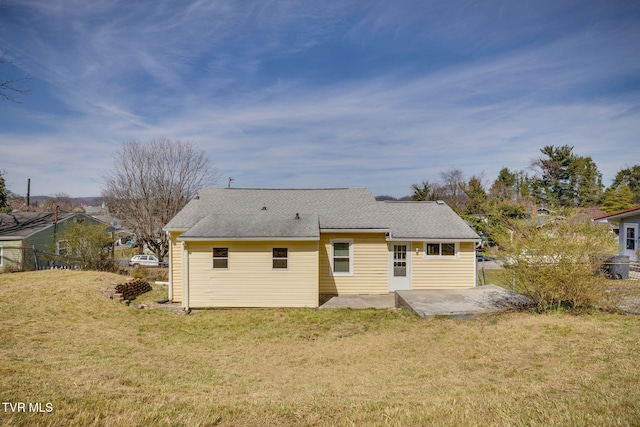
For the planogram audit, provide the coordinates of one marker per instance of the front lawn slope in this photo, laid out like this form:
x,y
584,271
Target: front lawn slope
x,y
98,362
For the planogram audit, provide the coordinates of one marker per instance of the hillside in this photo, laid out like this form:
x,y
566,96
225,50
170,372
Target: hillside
x,y
93,361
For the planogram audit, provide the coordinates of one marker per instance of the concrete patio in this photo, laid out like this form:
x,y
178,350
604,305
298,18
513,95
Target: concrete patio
x,y
464,303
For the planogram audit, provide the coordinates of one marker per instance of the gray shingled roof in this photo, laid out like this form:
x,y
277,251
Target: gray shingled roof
x,y
330,204
259,225
425,220
247,213
19,225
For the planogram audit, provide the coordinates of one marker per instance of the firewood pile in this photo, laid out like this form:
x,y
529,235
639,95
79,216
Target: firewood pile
x,y
128,290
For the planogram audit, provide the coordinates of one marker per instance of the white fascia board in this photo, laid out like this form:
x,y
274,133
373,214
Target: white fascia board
x,y
354,230
169,230
248,239
433,240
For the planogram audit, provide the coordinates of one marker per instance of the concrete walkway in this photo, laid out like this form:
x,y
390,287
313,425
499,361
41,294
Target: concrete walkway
x,y
463,303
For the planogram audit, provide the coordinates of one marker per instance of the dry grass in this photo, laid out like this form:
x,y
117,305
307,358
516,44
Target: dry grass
x,y
102,363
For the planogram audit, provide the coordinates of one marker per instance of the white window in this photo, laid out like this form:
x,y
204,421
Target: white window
x,y
440,250
280,258
341,257
63,248
221,258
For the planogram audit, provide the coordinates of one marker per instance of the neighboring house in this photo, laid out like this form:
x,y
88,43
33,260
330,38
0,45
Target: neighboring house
x,y
283,248
26,237
628,224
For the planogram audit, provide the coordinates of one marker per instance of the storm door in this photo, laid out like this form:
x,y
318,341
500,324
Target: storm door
x,y
399,266
630,241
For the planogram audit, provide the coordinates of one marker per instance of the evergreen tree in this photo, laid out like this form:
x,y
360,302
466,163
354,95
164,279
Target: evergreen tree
x,y
555,174
477,202
585,181
4,206
617,199
565,179
523,185
631,178
423,191
504,186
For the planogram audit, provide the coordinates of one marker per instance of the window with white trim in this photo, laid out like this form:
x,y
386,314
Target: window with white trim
x,y
63,248
280,258
221,258
341,257
440,250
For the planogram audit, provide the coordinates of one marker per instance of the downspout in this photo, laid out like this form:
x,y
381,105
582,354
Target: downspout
x,y
170,272
475,268
185,277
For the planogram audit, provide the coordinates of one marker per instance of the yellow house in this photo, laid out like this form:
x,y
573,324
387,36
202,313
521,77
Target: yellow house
x,y
234,247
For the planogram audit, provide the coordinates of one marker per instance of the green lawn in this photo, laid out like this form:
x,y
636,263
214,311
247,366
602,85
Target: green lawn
x,y
498,277
98,362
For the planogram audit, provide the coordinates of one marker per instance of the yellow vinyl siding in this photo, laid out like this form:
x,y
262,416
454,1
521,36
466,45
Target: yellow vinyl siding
x,y
370,265
176,268
443,272
250,280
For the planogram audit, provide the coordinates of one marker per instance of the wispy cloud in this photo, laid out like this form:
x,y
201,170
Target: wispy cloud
x,y
312,93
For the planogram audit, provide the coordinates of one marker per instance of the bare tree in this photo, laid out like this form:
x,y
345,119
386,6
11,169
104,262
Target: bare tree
x,y
453,183
150,183
11,86
62,201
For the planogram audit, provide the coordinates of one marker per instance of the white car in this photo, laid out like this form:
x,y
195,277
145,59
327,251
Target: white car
x,y
144,261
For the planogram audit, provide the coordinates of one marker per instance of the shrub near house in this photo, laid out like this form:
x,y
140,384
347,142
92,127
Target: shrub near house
x,y
558,265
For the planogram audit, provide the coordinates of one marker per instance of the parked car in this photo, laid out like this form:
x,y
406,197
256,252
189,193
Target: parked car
x,y
144,261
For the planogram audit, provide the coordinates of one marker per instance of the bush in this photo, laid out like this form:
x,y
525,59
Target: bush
x,y
158,274
558,265
107,264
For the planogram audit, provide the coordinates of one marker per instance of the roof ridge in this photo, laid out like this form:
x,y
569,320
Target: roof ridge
x,y
287,189
438,202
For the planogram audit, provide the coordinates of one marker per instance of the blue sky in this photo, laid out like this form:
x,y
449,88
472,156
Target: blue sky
x,y
299,94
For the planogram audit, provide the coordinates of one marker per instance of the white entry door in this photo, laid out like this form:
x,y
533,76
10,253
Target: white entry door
x,y
399,266
630,241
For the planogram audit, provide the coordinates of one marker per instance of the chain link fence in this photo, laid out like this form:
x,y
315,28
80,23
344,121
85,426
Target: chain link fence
x,y
627,294
25,258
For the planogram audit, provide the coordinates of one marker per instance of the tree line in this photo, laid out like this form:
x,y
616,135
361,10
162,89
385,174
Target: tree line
x,y
150,182
558,179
